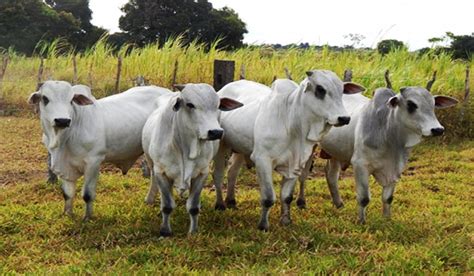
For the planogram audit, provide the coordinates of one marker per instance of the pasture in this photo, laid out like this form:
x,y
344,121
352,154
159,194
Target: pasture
x,y
431,230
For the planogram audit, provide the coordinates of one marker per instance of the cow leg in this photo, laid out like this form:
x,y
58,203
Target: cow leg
x,y
52,178
145,168
167,203
154,186
286,197
267,193
236,162
193,204
69,190
333,168
362,189
91,174
301,201
387,198
218,176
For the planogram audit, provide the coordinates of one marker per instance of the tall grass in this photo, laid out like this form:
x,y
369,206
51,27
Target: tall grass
x,y
97,67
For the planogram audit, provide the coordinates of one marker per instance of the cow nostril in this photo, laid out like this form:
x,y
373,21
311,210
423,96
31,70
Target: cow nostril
x,y
215,134
437,131
62,123
344,120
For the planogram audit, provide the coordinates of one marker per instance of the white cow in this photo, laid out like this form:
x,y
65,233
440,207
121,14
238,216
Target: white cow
x,y
378,139
277,128
179,141
81,132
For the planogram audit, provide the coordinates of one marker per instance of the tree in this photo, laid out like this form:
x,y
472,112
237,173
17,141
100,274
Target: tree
x,y
147,21
461,46
23,23
87,34
388,45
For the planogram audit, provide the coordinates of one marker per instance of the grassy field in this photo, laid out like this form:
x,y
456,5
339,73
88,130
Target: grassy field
x,y
97,67
432,229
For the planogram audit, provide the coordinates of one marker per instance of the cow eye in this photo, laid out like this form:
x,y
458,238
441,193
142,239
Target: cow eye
x,y
320,92
45,100
411,106
190,105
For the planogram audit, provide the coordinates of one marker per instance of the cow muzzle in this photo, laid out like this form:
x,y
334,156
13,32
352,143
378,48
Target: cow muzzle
x,y
62,122
215,134
343,120
437,131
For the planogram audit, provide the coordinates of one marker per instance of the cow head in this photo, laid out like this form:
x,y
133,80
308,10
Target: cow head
x,y
323,94
415,108
56,101
199,105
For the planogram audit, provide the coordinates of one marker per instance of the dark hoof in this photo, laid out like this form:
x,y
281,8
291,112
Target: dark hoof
x,y
165,233
301,203
232,204
263,227
340,205
219,207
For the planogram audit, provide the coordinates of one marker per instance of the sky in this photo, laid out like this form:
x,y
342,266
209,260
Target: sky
x,y
327,22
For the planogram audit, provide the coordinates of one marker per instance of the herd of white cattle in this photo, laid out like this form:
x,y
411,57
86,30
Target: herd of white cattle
x,y
273,129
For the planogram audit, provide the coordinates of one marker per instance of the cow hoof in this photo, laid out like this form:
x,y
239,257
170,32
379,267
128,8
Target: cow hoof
x,y
232,204
165,233
361,221
68,214
263,227
219,207
339,205
285,221
86,218
301,203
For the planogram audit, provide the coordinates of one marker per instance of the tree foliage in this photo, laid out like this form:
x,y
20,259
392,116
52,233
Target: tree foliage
x,y
23,23
461,46
388,45
147,21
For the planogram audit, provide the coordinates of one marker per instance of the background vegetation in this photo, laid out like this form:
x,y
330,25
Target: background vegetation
x,y
97,68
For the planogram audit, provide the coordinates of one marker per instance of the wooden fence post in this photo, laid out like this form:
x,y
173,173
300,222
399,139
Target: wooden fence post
x,y
242,72
347,75
3,70
74,64
119,72
288,74
175,74
39,79
223,73
89,75
467,87
387,79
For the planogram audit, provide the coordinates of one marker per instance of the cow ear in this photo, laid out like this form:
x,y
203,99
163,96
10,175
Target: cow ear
x,y
80,99
34,98
179,87
229,104
177,104
393,101
444,102
353,88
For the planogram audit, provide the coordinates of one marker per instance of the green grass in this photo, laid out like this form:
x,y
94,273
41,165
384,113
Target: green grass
x,y
431,230
97,67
